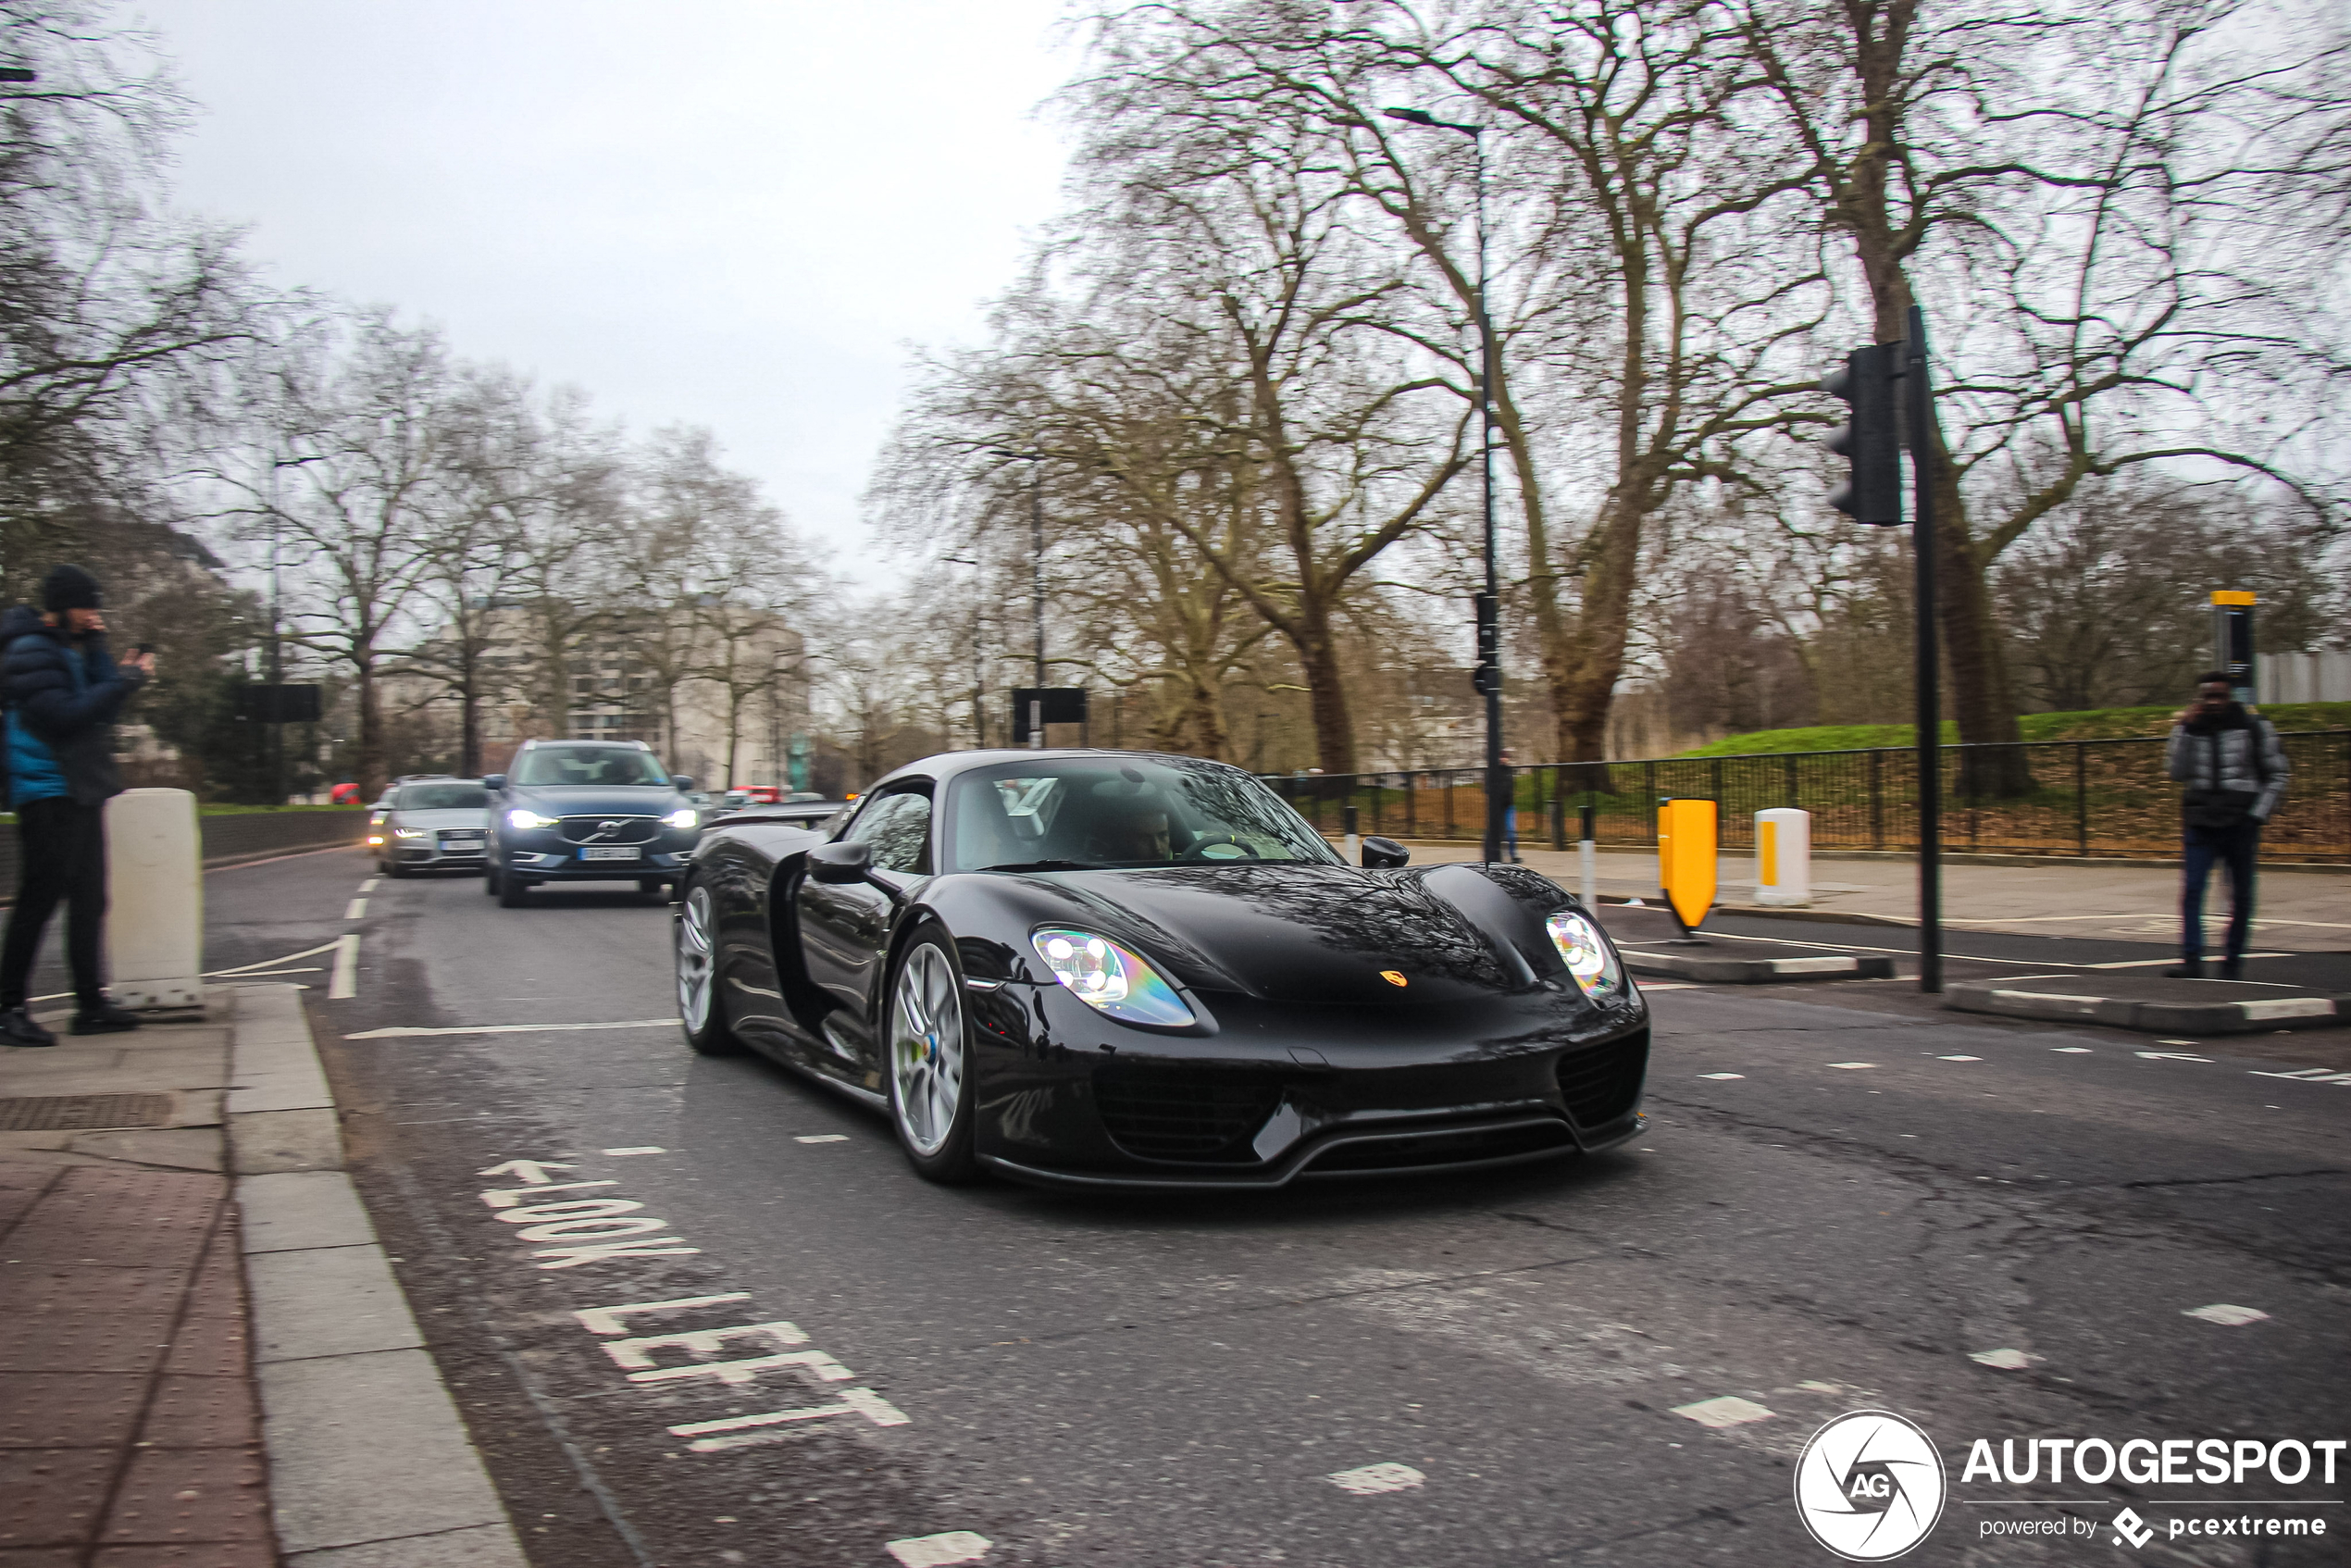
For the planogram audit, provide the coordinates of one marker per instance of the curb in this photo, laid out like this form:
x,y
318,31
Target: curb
x,y
2153,1017
1759,971
370,1465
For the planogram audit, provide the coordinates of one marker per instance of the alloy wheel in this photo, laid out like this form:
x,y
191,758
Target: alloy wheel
x,y
926,1049
694,960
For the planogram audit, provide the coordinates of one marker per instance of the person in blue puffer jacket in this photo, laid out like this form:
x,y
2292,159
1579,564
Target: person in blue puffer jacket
x,y
62,690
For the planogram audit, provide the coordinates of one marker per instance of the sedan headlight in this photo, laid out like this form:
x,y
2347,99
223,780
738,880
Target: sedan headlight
x,y
1589,956
1109,978
410,833
522,816
683,818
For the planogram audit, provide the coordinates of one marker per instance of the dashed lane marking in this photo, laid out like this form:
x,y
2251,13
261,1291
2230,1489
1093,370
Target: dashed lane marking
x,y
646,1149
344,983
400,1033
370,885
2006,1359
1370,1480
824,1137
939,1550
1721,1078
2170,1056
1959,1058
1852,1065
2070,1050
358,910
2310,1075
2227,1316
1728,1410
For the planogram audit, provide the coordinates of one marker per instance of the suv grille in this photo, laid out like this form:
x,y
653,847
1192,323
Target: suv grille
x,y
626,829
1603,1084
1158,1114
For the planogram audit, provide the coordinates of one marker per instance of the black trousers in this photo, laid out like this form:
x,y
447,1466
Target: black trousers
x,y
64,850
2233,847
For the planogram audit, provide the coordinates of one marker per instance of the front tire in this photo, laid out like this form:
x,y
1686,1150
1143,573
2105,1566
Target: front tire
x,y
696,949
510,890
490,878
927,1061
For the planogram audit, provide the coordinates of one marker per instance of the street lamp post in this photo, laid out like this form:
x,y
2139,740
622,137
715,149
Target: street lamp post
x,y
1488,679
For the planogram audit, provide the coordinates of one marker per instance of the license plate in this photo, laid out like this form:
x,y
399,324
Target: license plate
x,y
609,852
460,838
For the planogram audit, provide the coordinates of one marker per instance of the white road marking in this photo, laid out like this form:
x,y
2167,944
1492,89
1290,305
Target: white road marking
x,y
645,1149
606,1320
370,885
510,1028
1668,986
533,1171
1369,1480
1728,1410
1852,1065
1959,1059
938,1551
1721,1078
2310,1076
824,1137
853,1402
2226,1315
2170,1056
344,983
2072,1049
358,911
265,973
2006,1360
273,963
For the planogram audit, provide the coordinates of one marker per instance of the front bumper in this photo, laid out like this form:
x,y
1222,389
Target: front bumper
x,y
1278,1093
435,855
564,866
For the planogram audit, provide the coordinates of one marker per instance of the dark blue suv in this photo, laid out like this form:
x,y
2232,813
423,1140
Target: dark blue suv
x,y
588,811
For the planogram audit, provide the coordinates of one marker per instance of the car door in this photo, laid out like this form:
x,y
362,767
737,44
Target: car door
x,y
844,927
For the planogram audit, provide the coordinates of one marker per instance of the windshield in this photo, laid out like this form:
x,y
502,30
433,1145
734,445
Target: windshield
x,y
444,797
600,766
1102,812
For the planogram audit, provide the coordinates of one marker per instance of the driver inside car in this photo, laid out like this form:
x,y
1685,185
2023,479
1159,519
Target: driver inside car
x,y
1140,832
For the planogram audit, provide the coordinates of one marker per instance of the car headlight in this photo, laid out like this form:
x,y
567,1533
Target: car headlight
x,y
683,818
522,816
1589,956
1109,978
410,833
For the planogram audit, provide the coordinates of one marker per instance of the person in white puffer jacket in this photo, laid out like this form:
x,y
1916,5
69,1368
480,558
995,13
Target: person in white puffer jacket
x,y
2235,771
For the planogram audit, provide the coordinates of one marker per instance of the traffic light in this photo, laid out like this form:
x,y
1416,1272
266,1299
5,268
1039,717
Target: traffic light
x,y
1487,679
1872,437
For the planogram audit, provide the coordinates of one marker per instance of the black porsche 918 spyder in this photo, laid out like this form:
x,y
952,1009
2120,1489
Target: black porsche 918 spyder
x,y
1124,969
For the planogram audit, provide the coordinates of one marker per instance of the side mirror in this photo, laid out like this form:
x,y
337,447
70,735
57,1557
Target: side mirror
x,y
493,781
1384,854
680,782
839,863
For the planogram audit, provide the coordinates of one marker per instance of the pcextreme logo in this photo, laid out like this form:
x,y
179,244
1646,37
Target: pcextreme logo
x,y
1869,1486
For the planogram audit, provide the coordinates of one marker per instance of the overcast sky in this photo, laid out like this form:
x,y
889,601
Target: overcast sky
x,y
733,213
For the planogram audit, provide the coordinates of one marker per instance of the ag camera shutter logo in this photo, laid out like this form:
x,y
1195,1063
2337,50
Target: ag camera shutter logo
x,y
1869,1486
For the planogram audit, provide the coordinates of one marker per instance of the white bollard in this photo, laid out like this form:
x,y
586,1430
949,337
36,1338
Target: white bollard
x,y
155,900
1587,857
1783,856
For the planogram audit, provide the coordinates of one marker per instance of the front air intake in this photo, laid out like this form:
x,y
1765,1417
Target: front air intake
x,y
1602,1084
1190,1117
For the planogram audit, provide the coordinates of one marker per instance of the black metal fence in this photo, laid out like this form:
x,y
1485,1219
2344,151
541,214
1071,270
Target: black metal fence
x,y
2086,798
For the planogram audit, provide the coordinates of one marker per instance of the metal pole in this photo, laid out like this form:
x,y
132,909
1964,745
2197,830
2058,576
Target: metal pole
x,y
1497,786
1036,597
1920,399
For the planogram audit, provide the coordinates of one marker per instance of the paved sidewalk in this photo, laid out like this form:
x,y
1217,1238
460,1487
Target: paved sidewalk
x,y
193,1308
2298,911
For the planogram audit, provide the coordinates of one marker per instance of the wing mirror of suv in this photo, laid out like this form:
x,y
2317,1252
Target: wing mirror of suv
x,y
1384,854
493,781
840,863
680,782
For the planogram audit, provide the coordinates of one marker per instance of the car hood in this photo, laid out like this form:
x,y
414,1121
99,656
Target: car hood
x,y
1308,933
589,800
452,817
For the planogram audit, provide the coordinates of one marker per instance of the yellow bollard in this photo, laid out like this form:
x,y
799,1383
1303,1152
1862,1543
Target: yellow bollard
x,y
1685,849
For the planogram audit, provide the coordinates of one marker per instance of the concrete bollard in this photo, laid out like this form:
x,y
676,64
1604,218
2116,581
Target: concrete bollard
x,y
1783,856
155,900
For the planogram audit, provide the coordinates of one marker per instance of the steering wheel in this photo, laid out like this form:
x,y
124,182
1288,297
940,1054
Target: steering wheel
x,y
1206,841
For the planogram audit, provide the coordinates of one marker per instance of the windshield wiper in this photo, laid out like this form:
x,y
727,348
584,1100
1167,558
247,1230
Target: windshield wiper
x,y
1044,866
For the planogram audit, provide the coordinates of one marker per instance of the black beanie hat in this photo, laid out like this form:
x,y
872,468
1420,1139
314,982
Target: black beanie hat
x,y
68,588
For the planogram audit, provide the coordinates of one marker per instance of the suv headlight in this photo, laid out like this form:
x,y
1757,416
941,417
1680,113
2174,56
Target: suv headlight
x,y
1589,956
524,817
1109,978
683,818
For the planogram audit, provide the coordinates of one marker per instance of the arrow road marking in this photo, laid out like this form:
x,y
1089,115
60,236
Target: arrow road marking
x,y
531,1173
